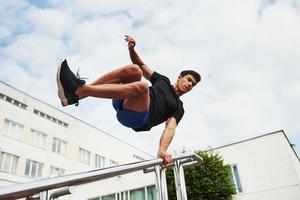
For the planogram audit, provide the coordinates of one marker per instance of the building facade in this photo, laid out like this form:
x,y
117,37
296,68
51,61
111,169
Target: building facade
x,y
39,141
264,167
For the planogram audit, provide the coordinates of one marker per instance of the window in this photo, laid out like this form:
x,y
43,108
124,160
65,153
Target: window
x,y
109,197
8,162
53,119
236,178
33,169
84,156
99,161
138,194
56,171
38,139
59,146
143,193
151,192
95,198
113,163
13,129
122,195
13,101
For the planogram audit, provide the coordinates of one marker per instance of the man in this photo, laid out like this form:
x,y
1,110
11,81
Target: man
x,y
138,106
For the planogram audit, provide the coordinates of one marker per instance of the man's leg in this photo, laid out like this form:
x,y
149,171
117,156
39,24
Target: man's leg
x,y
123,83
126,74
135,95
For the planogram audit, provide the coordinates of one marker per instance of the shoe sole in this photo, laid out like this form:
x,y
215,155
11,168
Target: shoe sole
x,y
61,93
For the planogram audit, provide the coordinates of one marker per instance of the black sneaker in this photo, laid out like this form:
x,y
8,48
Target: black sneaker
x,y
67,84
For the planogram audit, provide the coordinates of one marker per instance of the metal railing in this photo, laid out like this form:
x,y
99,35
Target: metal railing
x,y
28,190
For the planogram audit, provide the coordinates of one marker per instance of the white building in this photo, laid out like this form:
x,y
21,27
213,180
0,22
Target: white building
x,y
264,167
40,141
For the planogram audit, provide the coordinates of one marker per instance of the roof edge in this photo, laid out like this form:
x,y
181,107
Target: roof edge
x,y
264,135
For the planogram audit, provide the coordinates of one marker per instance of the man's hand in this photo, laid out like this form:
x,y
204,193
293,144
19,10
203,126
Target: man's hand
x,y
135,58
165,156
130,41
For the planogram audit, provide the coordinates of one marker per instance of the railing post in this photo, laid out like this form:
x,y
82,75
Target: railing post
x,y
161,183
179,181
157,170
182,179
164,184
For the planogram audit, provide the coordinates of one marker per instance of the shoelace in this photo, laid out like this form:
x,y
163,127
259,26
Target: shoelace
x,y
78,76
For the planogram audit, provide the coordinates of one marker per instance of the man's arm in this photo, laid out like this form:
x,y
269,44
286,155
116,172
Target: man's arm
x,y
166,139
135,58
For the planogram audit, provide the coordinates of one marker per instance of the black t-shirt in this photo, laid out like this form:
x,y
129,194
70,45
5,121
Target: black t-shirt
x,y
164,103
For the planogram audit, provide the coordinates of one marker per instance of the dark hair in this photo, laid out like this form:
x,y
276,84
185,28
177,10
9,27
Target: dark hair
x,y
195,74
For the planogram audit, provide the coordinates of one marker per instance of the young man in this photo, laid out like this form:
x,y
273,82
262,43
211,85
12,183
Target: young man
x,y
138,106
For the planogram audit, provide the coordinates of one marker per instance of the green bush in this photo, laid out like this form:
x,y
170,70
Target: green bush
x,y
210,181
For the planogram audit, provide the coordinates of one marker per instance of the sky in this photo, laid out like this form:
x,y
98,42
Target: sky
x,y
247,53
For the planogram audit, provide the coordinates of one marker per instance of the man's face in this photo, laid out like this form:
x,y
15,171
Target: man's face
x,y
186,83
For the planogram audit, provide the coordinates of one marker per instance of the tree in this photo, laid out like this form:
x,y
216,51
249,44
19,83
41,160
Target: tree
x,y
210,181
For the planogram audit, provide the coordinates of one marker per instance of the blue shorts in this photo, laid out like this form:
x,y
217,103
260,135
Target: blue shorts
x,y
131,119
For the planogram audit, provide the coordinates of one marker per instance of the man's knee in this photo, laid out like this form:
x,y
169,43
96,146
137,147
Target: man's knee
x,y
141,88
134,71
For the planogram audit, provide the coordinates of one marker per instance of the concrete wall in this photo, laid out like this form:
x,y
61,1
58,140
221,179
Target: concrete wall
x,y
268,167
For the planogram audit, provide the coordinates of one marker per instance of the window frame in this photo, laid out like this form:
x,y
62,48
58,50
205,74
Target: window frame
x,y
56,171
59,146
13,162
84,156
99,161
35,169
41,142
236,178
11,127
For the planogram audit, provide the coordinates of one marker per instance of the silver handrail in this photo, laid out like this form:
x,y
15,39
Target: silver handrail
x,y
35,187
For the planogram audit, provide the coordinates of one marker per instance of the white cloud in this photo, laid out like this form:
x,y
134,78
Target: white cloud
x,y
52,22
35,52
5,33
11,14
